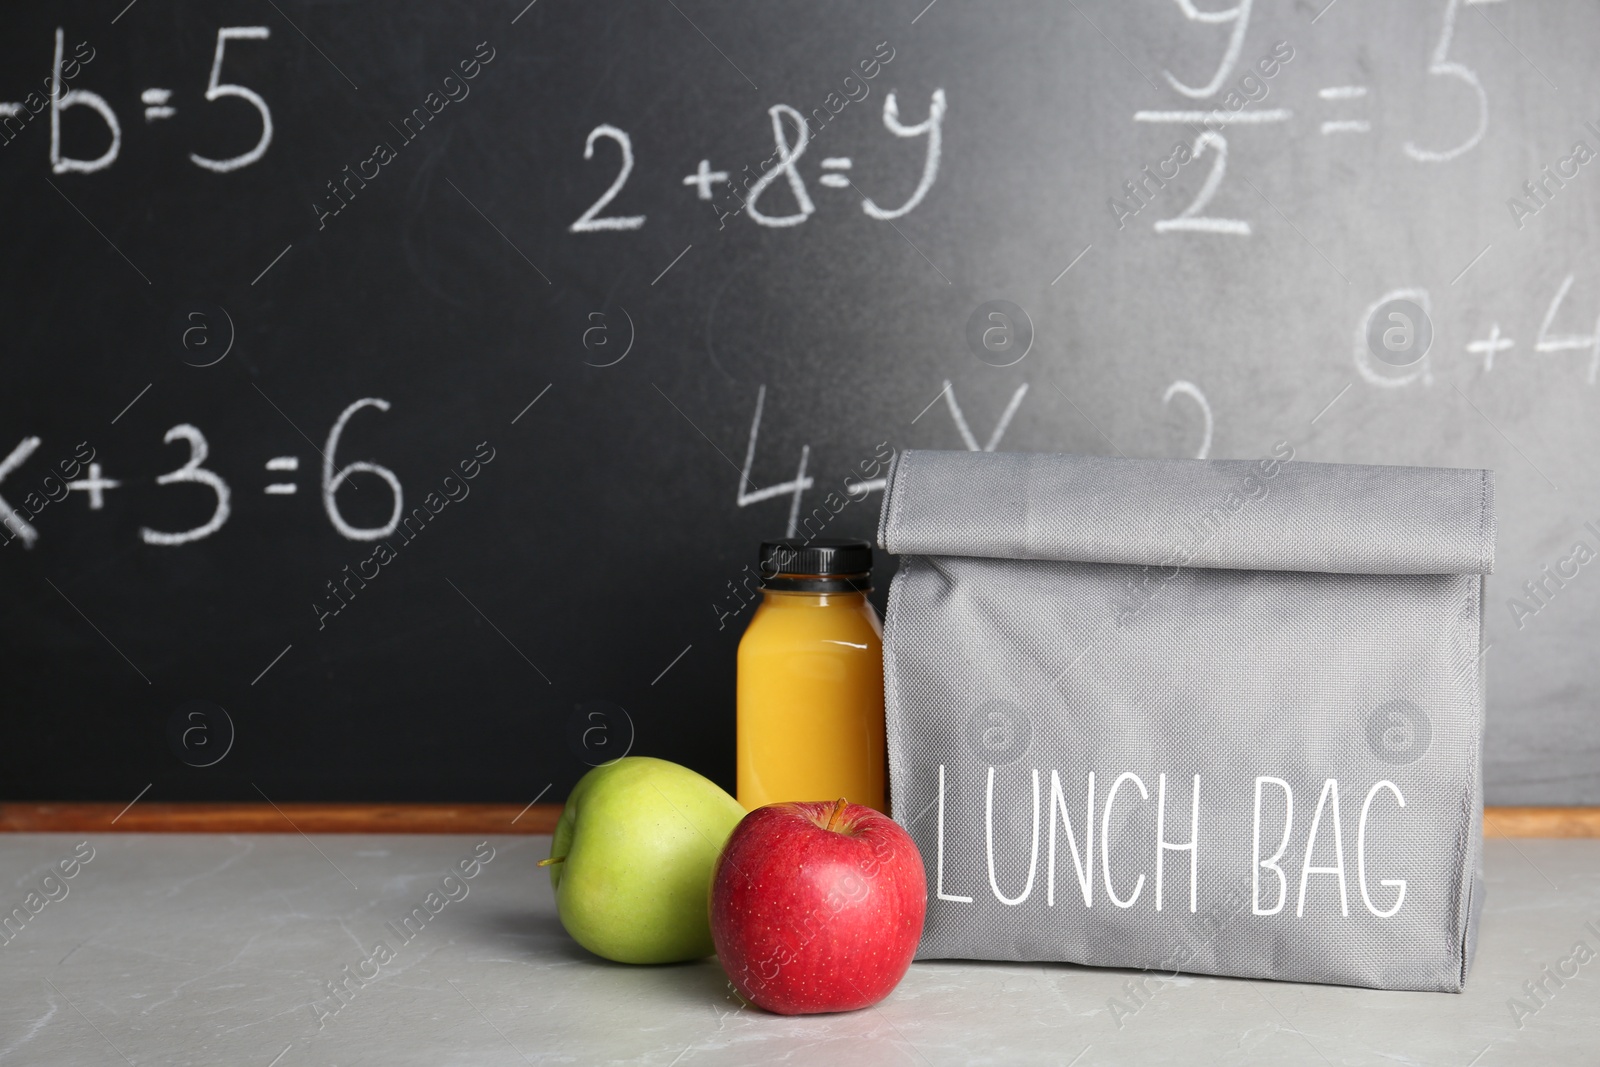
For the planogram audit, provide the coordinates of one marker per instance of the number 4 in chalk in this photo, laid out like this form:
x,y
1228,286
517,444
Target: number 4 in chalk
x,y
1571,341
795,486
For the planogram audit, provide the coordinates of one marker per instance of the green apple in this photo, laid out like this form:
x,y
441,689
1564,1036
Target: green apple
x,y
632,859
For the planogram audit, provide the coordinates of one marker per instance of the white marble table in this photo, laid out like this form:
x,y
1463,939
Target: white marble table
x,y
174,949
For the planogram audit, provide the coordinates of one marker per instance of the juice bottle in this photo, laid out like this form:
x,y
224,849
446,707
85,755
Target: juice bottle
x,y
810,684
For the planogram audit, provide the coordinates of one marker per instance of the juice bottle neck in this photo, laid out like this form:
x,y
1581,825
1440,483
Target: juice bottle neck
x,y
780,599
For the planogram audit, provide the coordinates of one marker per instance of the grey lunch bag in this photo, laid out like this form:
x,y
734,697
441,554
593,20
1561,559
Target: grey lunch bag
x,y
1205,716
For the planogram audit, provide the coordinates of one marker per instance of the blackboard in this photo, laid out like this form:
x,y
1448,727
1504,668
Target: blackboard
x,y
612,292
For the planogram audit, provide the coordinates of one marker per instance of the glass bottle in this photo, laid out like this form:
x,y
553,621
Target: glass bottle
x,y
810,679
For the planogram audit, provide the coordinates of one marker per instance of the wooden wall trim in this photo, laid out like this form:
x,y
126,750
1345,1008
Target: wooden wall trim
x,y
203,817
258,818
1541,822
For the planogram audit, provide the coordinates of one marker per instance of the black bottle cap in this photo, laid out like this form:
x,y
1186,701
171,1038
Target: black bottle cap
x,y
819,566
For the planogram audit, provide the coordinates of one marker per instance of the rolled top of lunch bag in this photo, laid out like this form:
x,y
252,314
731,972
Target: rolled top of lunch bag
x,y
1275,513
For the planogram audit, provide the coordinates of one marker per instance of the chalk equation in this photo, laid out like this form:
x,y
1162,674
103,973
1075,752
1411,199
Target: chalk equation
x,y
1231,102
156,102
1219,100
855,487
1395,338
791,135
83,473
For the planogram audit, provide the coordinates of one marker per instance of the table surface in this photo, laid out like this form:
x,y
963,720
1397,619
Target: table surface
x,y
217,949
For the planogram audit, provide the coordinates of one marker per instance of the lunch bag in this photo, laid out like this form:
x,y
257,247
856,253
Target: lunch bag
x,y
1198,716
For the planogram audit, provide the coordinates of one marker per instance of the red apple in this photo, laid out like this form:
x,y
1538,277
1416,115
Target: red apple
x,y
817,906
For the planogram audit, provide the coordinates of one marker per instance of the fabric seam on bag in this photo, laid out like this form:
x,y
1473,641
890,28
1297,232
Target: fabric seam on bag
x,y
1485,538
891,690
891,501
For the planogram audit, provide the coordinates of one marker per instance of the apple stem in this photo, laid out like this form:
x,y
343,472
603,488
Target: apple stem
x,y
552,860
836,815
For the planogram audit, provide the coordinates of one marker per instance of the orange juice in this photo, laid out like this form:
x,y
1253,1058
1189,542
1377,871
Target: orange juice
x,y
810,687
